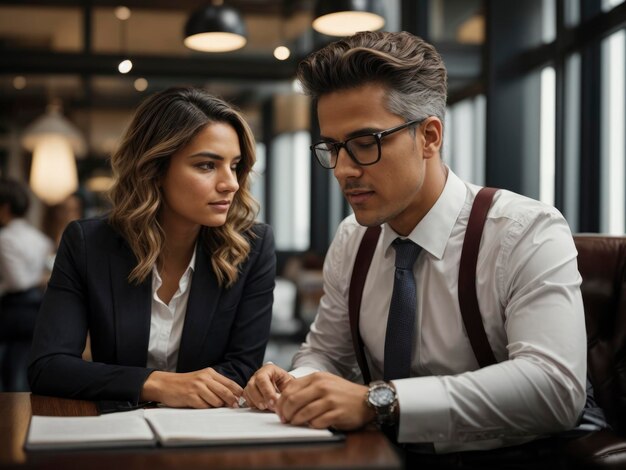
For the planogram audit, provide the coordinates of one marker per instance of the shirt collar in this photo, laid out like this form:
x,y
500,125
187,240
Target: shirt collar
x,y
433,231
184,279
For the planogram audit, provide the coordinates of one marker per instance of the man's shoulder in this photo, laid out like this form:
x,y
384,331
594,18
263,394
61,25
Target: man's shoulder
x,y
513,219
520,209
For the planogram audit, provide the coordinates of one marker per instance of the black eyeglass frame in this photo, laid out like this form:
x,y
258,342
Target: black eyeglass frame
x,y
377,135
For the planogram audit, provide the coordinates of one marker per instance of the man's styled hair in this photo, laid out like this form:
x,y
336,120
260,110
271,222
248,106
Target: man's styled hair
x,y
410,68
15,194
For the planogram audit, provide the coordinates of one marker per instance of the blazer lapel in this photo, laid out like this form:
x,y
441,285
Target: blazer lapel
x,y
131,304
203,300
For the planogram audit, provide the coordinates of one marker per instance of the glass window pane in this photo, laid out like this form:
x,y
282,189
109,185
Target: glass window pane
x,y
571,179
464,139
571,12
392,15
610,4
613,170
291,190
529,134
548,21
547,136
257,180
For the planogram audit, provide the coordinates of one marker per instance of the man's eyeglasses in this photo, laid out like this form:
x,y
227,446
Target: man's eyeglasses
x,y
363,149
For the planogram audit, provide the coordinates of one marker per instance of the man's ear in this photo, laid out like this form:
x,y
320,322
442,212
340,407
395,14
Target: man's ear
x,y
432,130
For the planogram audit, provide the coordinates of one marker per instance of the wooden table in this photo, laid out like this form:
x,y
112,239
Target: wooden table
x,y
362,449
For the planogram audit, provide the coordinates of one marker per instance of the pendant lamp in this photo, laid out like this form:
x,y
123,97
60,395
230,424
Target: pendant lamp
x,y
54,142
215,28
346,17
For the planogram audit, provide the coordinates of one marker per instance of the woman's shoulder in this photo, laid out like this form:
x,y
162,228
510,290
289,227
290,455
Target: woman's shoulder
x,y
261,238
261,234
93,229
260,229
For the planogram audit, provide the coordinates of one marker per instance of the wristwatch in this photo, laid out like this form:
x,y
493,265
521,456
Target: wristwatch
x,y
381,396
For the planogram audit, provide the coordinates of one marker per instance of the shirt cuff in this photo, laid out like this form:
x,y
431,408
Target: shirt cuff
x,y
302,371
424,410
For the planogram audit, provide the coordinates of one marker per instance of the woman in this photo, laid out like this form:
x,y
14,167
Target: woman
x,y
175,286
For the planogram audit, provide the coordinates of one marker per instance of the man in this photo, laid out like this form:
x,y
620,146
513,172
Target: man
x,y
380,103
24,252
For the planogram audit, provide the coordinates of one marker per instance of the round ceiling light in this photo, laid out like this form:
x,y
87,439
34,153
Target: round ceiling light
x,y
215,29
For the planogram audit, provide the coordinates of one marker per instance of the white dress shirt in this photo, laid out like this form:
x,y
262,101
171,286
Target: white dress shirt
x,y
528,289
24,251
167,320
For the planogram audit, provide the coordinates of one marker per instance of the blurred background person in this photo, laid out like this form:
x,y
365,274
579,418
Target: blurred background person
x,y
58,216
24,251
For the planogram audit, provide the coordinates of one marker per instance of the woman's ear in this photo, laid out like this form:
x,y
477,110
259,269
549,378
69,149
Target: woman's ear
x,y
432,130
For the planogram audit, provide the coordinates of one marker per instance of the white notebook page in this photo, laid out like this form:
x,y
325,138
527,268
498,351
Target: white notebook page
x,y
225,426
111,430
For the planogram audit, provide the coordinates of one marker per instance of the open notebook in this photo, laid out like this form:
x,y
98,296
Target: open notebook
x,y
167,427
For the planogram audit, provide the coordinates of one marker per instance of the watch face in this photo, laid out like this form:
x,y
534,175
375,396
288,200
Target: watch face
x,y
382,396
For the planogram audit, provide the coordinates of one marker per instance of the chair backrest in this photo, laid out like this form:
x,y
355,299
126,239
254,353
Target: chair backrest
x,y
602,265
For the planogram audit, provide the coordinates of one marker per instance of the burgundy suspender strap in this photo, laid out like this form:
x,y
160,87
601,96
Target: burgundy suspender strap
x,y
357,282
468,301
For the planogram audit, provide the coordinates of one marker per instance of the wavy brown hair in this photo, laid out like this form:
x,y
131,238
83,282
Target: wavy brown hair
x,y
163,124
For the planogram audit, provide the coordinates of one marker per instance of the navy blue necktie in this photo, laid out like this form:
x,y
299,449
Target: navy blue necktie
x,y
402,312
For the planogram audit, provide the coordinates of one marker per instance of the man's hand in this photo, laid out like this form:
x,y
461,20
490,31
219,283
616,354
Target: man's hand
x,y
264,387
322,400
204,388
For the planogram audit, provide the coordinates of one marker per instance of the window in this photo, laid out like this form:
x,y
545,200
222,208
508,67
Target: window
x,y
547,136
291,190
257,180
612,151
464,139
571,12
571,164
610,4
548,21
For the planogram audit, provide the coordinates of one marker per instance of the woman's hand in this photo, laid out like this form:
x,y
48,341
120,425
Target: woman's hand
x,y
200,389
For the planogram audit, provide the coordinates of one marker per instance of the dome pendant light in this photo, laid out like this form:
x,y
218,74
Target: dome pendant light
x,y
54,142
215,29
346,17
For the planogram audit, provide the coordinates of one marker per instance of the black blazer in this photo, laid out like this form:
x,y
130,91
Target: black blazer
x,y
226,329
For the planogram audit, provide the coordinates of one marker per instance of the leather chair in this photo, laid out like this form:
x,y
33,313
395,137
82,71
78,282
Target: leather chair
x,y
602,265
